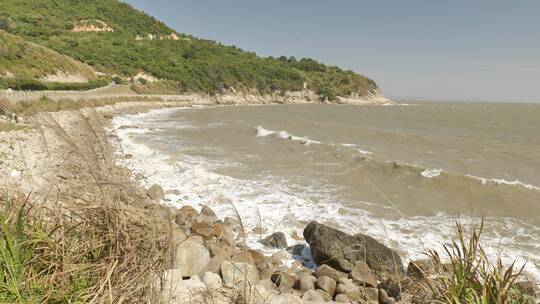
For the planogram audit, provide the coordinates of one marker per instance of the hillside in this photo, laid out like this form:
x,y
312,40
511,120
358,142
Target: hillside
x,y
115,38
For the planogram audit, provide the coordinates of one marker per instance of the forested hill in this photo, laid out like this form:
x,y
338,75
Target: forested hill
x,y
115,38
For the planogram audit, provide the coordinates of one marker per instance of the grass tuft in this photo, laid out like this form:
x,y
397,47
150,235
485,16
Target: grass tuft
x,y
471,276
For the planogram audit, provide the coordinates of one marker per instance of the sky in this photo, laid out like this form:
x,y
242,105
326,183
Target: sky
x,y
485,50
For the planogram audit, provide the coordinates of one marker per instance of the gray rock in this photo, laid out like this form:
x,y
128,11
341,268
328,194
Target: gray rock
x,y
194,284
361,275
392,287
305,283
327,284
325,270
155,193
237,273
276,240
340,250
341,298
212,280
313,296
191,257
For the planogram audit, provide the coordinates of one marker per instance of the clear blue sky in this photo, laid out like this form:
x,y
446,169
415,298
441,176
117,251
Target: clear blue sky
x,y
449,50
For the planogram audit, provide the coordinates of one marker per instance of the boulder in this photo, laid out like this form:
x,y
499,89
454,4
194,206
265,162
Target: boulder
x,y
155,193
340,250
276,240
361,275
325,295
327,284
203,229
312,296
212,280
219,249
185,216
325,270
237,273
279,256
283,281
193,285
370,294
207,216
341,298
305,283
350,290
191,257
383,297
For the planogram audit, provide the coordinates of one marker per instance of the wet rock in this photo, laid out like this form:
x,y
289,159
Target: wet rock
x,y
361,275
340,250
327,284
383,297
276,240
341,298
313,296
238,273
155,193
191,257
347,287
297,249
325,270
212,280
305,283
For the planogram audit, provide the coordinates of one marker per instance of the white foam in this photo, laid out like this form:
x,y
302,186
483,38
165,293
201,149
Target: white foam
x,y
365,152
431,173
500,181
349,145
262,132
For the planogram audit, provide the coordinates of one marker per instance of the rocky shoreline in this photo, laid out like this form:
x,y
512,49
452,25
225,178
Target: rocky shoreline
x,y
211,262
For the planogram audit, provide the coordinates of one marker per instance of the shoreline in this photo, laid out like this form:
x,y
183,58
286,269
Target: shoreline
x,y
44,166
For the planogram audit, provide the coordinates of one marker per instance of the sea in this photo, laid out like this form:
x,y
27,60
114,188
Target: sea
x,y
404,174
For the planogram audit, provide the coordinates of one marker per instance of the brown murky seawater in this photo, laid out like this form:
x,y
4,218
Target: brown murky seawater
x,y
401,173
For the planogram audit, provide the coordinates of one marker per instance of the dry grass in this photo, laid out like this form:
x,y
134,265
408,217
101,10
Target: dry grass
x,y
91,239
62,253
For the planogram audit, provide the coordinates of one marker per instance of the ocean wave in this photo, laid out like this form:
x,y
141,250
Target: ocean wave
x,y
262,132
500,181
431,173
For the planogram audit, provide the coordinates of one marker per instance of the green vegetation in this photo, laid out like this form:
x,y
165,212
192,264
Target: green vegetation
x,y
194,65
7,126
20,59
471,277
